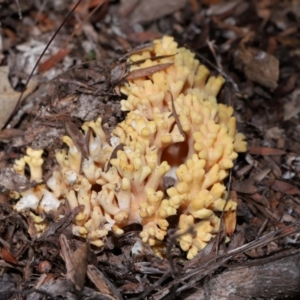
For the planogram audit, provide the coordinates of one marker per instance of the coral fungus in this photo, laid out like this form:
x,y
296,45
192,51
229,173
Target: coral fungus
x,y
174,127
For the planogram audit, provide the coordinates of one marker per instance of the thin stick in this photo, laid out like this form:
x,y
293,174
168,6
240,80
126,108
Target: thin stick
x,y
82,22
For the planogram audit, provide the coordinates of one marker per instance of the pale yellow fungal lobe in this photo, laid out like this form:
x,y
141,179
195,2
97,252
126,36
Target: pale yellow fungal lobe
x,y
34,160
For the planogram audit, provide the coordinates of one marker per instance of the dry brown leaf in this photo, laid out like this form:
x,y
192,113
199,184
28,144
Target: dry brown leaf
x,y
258,66
102,284
141,37
147,71
220,7
80,263
53,60
259,199
265,151
284,187
97,278
261,174
10,133
7,256
146,11
76,263
8,96
276,170
244,187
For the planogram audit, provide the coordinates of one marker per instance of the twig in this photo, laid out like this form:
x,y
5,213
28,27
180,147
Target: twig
x,y
222,214
19,9
154,286
226,76
212,264
212,50
175,115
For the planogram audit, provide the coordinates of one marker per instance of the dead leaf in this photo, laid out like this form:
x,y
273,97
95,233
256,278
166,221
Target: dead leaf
x,y
7,256
140,37
258,66
258,177
146,11
245,187
259,199
80,263
8,96
10,133
284,187
274,166
265,151
52,61
76,263
147,71
102,283
220,7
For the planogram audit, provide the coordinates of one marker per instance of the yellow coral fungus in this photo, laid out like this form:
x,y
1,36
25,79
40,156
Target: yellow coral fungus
x,y
174,127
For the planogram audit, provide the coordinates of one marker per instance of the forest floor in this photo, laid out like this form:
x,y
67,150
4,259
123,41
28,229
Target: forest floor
x,y
254,45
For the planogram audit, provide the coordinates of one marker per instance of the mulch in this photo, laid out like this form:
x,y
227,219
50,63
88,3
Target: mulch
x,y
253,44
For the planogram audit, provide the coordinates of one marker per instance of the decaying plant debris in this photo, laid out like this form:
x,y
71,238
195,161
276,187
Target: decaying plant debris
x,y
254,45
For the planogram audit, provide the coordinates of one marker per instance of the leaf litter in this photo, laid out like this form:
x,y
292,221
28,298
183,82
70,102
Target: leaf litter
x,y
254,45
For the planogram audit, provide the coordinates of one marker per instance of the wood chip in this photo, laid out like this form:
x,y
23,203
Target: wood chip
x,y
76,263
265,151
244,187
102,283
258,66
283,187
146,11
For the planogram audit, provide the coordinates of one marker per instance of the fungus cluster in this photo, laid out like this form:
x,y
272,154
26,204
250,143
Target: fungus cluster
x,y
174,129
